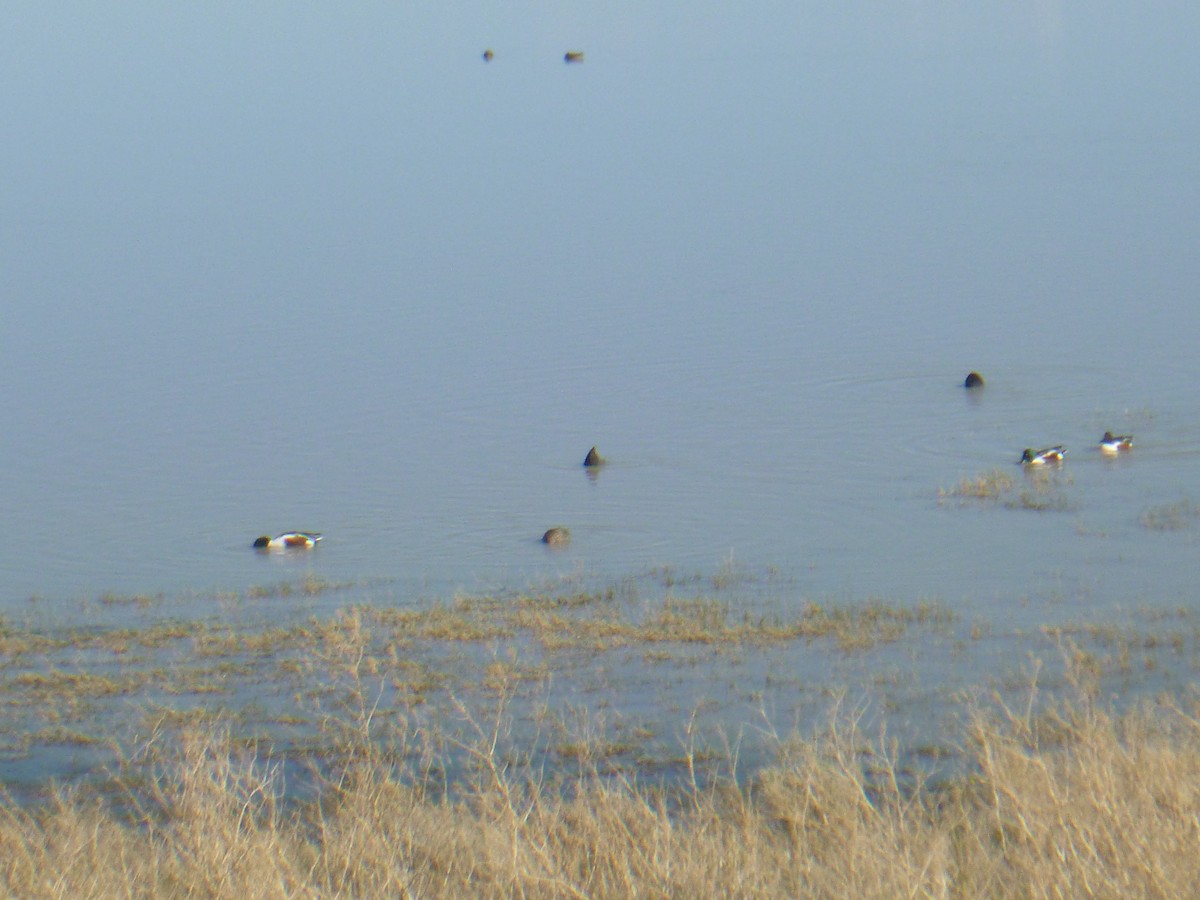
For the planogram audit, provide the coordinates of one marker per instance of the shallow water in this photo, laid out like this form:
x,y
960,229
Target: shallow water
x,y
268,270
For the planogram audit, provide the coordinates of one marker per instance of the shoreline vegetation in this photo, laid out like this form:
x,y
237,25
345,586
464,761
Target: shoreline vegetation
x,y
1074,800
479,746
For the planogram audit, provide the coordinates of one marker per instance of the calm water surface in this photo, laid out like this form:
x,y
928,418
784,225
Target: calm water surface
x,y
273,269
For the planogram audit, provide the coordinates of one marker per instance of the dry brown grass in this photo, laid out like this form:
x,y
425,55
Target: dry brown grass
x,y
1075,801
422,764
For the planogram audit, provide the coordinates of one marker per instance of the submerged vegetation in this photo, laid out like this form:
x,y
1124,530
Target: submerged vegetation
x,y
990,485
277,674
1040,490
1170,516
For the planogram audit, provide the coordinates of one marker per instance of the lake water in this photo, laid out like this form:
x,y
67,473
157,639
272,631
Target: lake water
x,y
276,267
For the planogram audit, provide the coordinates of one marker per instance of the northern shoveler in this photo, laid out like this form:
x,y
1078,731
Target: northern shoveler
x,y
573,56
1041,457
289,540
557,537
1116,443
973,380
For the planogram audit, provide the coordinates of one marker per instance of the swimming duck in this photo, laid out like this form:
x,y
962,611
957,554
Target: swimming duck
x,y
973,380
289,540
1041,457
593,459
573,56
1116,443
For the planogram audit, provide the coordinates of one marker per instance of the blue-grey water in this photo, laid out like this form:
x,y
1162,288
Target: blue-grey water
x,y
273,266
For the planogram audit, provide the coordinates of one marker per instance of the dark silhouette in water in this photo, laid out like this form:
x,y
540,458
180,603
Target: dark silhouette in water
x,y
557,537
974,380
573,56
593,459
487,55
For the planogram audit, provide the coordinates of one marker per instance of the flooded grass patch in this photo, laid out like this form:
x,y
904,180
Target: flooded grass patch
x,y
140,600
600,623
87,678
1039,491
991,485
1170,516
